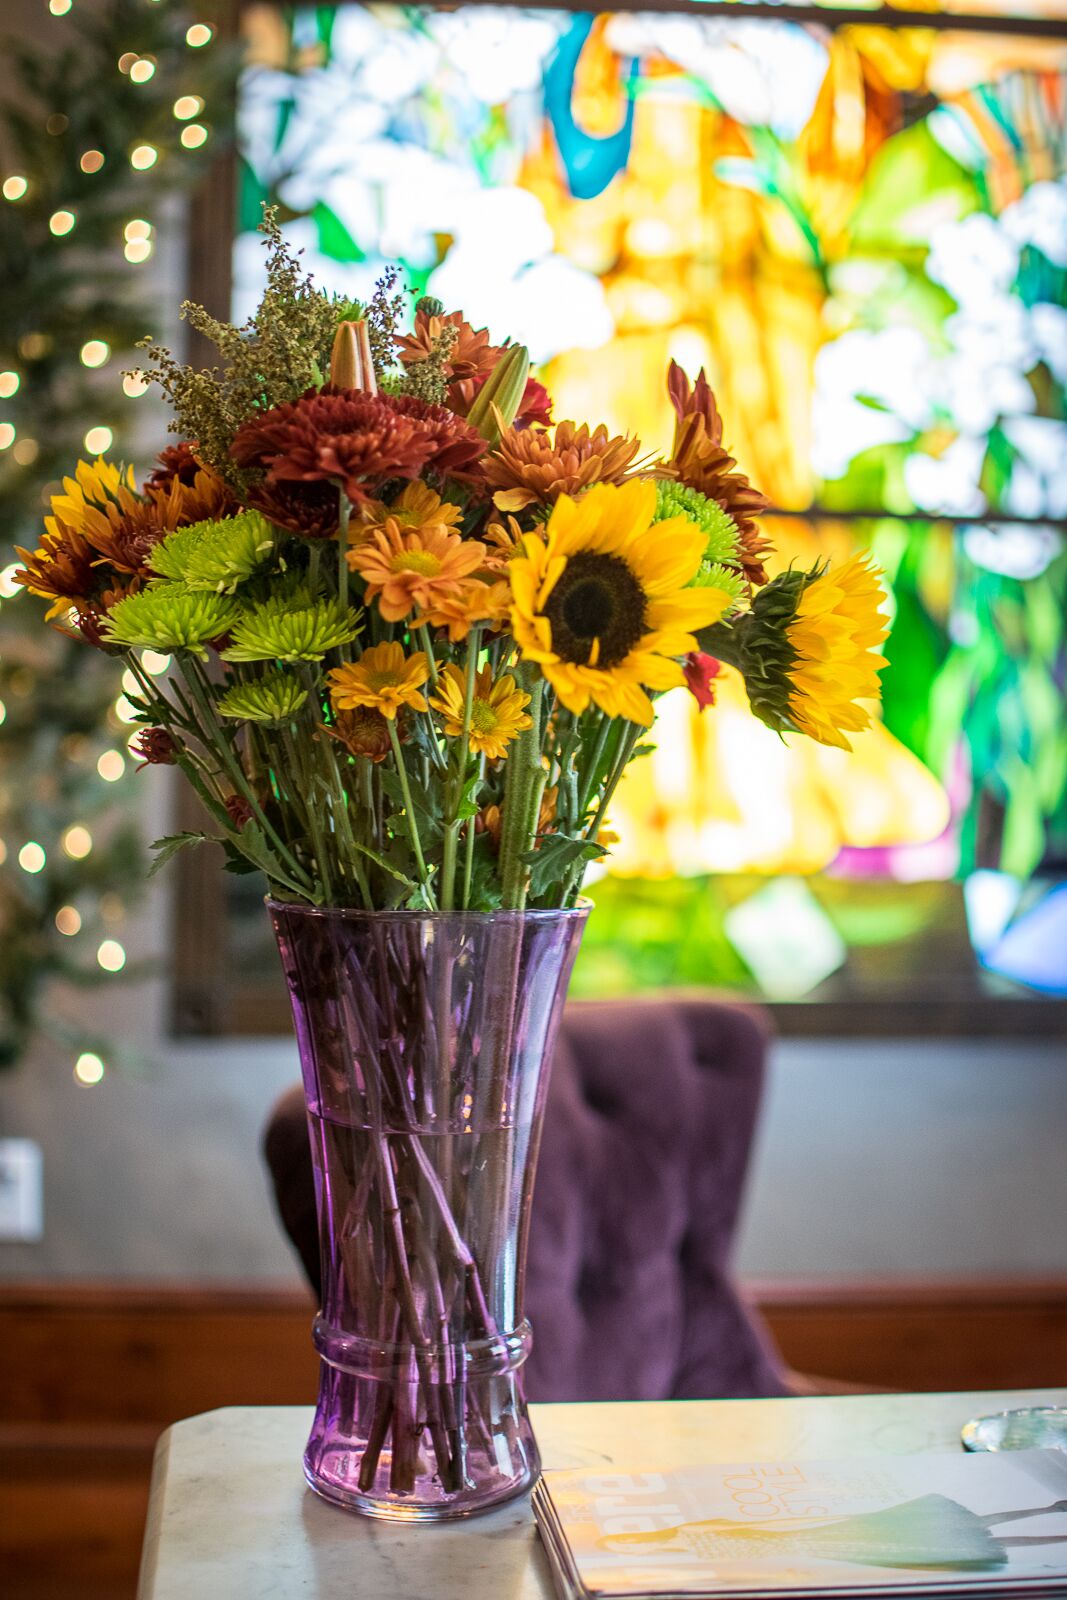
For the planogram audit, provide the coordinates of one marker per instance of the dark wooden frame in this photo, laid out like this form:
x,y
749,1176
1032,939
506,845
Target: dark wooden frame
x,y
208,996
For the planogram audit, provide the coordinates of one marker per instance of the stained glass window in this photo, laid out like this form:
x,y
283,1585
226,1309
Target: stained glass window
x,y
861,232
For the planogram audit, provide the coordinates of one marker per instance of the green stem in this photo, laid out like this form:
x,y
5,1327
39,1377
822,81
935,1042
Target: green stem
x,y
468,853
622,760
524,784
409,811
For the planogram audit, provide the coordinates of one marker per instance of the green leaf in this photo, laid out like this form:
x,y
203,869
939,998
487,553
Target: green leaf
x,y
386,865
553,860
169,846
335,240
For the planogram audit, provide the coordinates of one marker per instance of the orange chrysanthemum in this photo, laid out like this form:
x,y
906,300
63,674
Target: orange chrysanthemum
x,y
531,466
477,601
407,572
383,678
700,461
417,509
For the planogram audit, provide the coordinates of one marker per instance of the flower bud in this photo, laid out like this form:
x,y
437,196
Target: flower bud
x,y
351,365
498,400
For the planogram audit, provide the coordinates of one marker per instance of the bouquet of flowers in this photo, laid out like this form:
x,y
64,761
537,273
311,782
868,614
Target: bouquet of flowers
x,y
415,634
416,630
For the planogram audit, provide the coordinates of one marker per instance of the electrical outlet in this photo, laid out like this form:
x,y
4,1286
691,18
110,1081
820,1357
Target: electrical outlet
x,y
21,1189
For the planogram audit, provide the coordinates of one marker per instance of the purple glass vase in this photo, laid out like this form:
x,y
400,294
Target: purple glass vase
x,y
425,1042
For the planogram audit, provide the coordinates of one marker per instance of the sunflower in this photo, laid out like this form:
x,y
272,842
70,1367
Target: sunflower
x,y
383,678
808,650
412,571
497,709
533,467
601,601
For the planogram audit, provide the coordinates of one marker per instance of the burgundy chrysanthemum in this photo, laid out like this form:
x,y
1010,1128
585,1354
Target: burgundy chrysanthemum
x,y
175,461
156,747
310,510
356,439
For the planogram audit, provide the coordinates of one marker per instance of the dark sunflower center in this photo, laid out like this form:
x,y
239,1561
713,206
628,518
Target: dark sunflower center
x,y
596,598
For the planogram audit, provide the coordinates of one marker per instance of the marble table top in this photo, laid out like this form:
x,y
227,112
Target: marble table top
x,y
230,1517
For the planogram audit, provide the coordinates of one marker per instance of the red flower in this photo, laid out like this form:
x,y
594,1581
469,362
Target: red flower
x,y
175,461
700,670
356,439
238,810
156,748
311,510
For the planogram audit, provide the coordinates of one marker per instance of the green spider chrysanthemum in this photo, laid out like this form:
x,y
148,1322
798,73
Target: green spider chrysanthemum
x,y
292,626
171,616
719,568
215,555
272,700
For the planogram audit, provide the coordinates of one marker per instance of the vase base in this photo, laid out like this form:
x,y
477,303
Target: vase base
x,y
411,1508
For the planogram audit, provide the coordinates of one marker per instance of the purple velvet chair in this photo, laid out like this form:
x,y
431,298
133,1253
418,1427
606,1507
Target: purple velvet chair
x,y
651,1112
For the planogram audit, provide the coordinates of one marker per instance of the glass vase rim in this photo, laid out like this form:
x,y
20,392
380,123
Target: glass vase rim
x,y
361,913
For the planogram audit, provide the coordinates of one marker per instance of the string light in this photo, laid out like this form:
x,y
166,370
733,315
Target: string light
x,y
143,156
127,59
194,136
15,187
34,346
94,352
111,956
68,921
134,384
199,35
32,857
92,160
3,713
26,452
3,852
98,440
61,222
189,105
138,250
155,662
130,683
8,587
77,842
56,124
7,435
59,8
137,228
9,382
89,1069
111,766
142,70
124,711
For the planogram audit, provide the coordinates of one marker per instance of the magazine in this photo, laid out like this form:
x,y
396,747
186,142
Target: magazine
x,y
923,1525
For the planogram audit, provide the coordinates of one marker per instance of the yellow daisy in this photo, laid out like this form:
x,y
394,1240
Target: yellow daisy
x,y
416,509
601,603
834,636
383,678
497,709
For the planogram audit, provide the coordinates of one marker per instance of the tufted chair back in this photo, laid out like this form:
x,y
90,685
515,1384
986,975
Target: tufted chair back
x,y
651,1112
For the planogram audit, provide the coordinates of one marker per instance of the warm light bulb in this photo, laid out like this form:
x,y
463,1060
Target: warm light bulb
x,y
77,842
138,250
97,440
127,59
124,711
88,1069
26,452
32,857
3,713
3,852
194,136
134,384
190,105
68,921
15,187
94,352
8,586
130,683
142,70
111,956
92,161
59,8
143,156
7,435
9,382
61,222
111,766
155,662
137,228
198,35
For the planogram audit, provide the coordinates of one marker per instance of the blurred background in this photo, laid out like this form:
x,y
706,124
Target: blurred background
x,y
857,223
